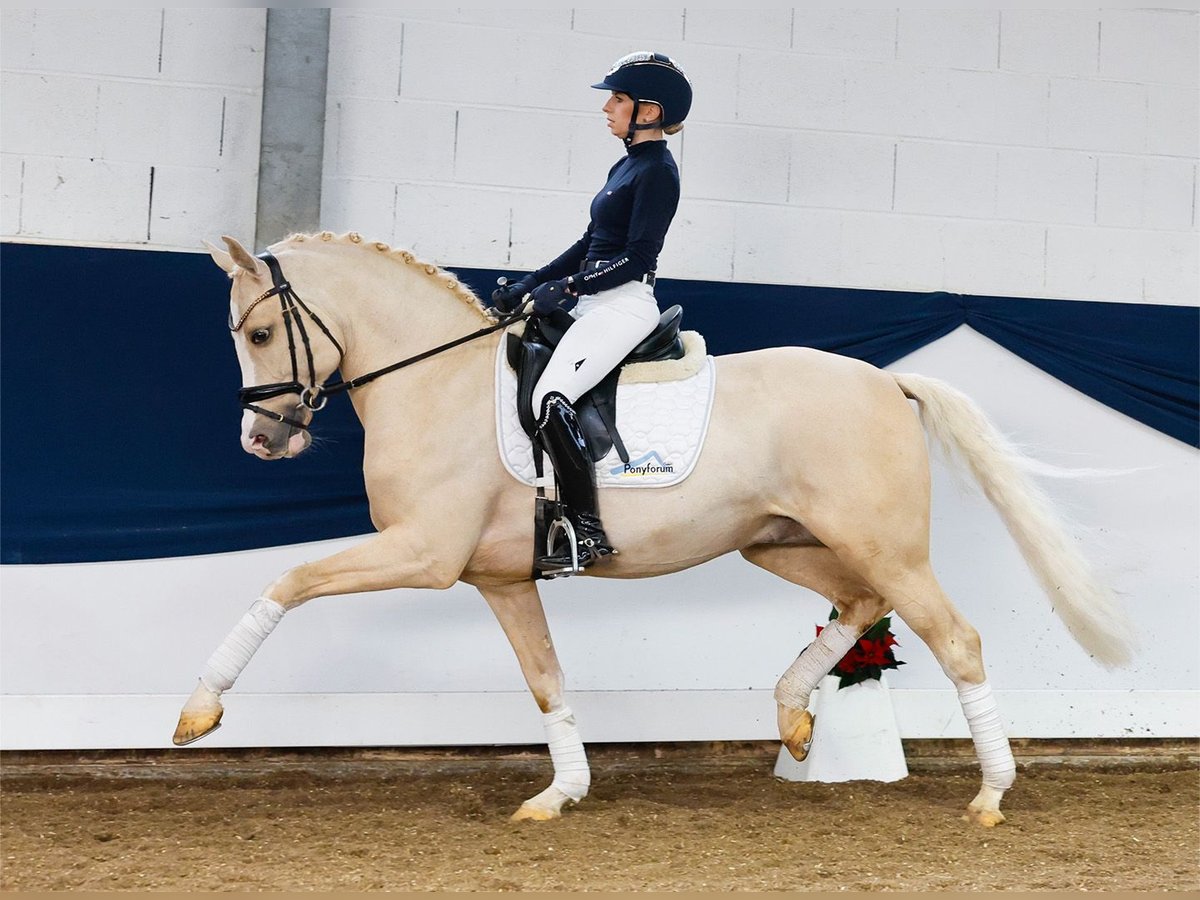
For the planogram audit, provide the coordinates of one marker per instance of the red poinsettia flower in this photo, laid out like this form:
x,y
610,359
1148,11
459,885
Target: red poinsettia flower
x,y
869,656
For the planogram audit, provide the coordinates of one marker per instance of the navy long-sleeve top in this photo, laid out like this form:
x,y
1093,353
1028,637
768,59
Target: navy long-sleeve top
x,y
630,217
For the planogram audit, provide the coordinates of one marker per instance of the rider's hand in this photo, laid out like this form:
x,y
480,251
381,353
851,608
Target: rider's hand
x,y
553,295
509,297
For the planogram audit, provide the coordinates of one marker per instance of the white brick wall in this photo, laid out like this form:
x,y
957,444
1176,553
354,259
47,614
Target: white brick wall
x,y
1028,152
99,102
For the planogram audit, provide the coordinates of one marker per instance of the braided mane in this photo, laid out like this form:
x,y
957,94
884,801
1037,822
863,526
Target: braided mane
x,y
429,270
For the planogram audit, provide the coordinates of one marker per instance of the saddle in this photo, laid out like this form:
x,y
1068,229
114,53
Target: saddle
x,y
529,353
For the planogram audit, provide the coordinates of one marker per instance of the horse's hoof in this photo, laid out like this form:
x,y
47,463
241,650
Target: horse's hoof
x,y
529,813
987,818
193,727
795,730
201,715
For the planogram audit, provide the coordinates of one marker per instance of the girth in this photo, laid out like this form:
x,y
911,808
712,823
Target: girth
x,y
529,354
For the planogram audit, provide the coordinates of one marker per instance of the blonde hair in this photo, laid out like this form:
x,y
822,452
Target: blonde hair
x,y
673,129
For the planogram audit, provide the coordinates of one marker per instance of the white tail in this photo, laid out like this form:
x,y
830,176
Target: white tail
x,y
1087,608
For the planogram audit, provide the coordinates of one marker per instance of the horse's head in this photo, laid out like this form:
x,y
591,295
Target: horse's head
x,y
284,356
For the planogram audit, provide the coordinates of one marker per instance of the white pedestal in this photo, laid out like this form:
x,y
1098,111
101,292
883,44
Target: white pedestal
x,y
855,737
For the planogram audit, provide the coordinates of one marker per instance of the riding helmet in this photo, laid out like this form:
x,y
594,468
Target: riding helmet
x,y
651,78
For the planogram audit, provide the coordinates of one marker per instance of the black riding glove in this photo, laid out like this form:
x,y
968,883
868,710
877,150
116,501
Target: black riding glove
x,y
508,298
553,295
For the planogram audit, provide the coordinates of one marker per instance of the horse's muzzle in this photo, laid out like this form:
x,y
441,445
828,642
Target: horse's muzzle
x,y
268,438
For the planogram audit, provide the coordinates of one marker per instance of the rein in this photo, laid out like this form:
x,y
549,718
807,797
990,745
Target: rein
x,y
314,396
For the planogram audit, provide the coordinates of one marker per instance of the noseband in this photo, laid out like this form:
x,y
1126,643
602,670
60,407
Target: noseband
x,y
313,395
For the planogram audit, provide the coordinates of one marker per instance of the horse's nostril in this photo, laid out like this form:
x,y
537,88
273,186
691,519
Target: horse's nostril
x,y
260,440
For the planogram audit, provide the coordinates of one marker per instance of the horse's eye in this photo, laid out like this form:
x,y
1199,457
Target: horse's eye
x,y
260,335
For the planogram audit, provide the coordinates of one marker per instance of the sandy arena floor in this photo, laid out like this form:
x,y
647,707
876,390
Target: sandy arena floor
x,y
676,818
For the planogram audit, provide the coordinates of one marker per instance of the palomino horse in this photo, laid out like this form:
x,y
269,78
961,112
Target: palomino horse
x,y
845,513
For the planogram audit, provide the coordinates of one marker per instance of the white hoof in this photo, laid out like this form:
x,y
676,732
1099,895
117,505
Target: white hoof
x,y
545,806
201,715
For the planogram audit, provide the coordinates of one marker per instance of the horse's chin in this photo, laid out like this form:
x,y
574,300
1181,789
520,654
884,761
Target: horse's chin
x,y
297,444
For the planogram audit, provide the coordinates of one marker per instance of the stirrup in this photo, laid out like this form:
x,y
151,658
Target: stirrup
x,y
562,525
578,555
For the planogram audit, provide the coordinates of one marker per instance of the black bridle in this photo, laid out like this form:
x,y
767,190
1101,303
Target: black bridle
x,y
313,395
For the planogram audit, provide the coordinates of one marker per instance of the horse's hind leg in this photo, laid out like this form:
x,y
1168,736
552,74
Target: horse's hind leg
x,y
518,607
914,592
859,607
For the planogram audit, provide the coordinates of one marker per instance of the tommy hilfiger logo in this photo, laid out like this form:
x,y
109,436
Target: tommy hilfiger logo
x,y
647,464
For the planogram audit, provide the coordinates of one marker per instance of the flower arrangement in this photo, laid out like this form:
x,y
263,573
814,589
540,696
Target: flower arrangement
x,y
869,657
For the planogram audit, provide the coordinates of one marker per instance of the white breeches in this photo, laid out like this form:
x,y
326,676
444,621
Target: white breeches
x,y
607,326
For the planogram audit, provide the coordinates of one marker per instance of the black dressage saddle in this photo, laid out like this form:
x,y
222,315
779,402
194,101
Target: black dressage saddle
x,y
529,353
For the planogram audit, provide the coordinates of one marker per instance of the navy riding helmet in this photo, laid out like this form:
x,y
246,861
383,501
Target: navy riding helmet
x,y
650,78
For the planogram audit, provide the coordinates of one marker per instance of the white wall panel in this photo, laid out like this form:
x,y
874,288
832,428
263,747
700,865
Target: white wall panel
x,y
545,224
766,28
949,104
855,33
49,115
1036,185
145,122
85,200
1050,41
450,225
365,51
120,42
791,91
357,204
193,204
1145,192
1123,265
895,253
11,172
946,179
1173,120
652,24
949,38
1097,115
788,245
847,171
748,165
488,149
993,258
395,139
700,244
1149,45
214,46
93,99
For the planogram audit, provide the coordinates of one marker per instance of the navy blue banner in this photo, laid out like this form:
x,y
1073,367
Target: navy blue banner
x,y
119,418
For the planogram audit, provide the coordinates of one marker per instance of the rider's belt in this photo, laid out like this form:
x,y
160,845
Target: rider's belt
x,y
590,265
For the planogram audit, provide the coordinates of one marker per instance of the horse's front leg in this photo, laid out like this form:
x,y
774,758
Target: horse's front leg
x,y
518,607
391,559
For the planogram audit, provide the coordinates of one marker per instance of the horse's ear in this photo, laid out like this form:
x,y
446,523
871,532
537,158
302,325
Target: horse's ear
x,y
243,258
220,257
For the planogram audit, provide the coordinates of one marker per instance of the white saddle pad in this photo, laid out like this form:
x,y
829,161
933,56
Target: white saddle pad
x,y
663,423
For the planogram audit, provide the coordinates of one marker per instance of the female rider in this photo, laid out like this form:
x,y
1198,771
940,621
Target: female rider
x,y
605,280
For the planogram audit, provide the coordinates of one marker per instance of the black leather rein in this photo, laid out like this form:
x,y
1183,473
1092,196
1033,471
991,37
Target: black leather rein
x,y
314,396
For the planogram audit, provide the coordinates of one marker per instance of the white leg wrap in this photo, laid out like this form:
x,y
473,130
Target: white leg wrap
x,y
813,664
227,662
991,744
571,773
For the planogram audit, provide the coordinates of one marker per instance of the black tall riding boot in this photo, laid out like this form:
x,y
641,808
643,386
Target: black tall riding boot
x,y
561,437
